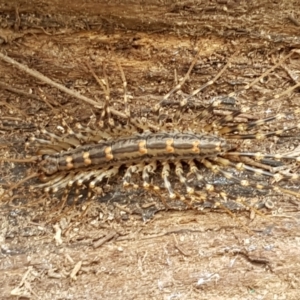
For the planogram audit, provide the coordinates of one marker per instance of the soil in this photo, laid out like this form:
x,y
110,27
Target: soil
x,y
121,246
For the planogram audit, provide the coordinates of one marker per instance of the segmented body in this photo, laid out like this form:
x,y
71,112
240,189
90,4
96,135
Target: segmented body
x,y
135,149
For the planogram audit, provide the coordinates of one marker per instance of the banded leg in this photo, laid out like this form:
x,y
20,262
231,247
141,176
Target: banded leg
x,y
128,174
184,102
194,170
158,106
66,181
108,173
165,176
92,135
147,171
148,186
71,140
262,135
242,127
126,104
180,174
63,181
55,143
242,167
60,182
243,182
219,123
260,156
47,147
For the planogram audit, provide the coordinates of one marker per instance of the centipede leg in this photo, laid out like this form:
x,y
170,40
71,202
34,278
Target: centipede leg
x,y
128,174
147,171
101,174
184,102
127,107
165,176
241,167
190,191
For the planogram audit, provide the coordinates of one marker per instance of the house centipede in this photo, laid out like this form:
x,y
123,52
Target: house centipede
x,y
87,156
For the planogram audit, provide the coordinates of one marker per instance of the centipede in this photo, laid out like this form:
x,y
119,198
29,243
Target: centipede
x,y
170,151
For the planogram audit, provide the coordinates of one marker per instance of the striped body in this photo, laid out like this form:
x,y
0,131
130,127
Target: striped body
x,y
134,149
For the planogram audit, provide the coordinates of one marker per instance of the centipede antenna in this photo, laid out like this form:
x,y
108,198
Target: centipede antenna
x,y
21,160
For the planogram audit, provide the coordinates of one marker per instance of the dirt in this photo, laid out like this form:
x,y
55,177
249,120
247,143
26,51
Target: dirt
x,y
129,248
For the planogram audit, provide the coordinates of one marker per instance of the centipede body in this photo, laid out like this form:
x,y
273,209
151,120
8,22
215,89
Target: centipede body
x,y
135,149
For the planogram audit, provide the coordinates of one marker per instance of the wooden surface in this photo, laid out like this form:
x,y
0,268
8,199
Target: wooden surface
x,y
174,254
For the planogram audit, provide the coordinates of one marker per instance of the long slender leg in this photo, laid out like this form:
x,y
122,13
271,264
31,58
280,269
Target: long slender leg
x,y
230,117
184,102
246,126
260,156
242,167
262,135
106,113
177,87
243,182
127,107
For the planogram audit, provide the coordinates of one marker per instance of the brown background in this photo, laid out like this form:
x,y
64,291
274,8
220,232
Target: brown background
x,y
174,255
